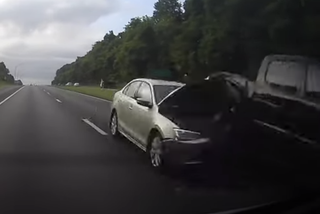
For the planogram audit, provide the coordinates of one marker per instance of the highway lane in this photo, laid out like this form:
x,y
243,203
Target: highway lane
x,y
83,106
52,162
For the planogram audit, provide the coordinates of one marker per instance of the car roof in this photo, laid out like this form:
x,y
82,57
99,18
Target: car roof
x,y
160,82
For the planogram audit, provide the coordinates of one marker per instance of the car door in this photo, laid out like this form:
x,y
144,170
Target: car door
x,y
142,115
309,122
119,100
125,108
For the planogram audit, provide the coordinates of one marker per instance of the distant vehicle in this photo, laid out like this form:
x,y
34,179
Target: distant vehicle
x,y
135,114
76,84
69,84
18,82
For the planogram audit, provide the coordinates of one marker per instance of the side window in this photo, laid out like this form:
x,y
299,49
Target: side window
x,y
313,80
291,75
126,89
145,92
131,89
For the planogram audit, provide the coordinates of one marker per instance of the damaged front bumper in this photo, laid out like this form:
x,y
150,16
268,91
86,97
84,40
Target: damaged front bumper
x,y
186,152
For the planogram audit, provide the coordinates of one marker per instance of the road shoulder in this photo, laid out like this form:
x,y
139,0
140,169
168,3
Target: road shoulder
x,y
6,91
94,92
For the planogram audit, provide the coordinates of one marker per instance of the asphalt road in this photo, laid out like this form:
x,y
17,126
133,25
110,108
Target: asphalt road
x,y
53,162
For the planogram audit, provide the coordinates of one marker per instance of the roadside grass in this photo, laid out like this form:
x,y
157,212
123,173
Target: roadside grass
x,y
106,94
2,84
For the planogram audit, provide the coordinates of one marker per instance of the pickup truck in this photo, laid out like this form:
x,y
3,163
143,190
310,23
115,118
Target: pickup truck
x,y
283,106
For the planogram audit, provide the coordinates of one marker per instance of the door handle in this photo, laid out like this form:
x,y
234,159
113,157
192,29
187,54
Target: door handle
x,y
130,107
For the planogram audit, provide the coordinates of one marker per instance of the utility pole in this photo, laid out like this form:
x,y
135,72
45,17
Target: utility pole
x,y
15,70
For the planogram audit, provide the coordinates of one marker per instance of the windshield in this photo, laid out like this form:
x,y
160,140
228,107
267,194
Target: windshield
x,y
158,106
161,91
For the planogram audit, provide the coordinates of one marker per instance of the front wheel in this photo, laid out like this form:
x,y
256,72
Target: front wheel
x,y
114,125
156,152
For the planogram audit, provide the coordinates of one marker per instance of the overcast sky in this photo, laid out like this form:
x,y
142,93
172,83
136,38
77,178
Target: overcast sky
x,y
39,36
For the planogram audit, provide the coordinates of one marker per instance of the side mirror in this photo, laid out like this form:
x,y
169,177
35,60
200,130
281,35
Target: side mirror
x,y
144,102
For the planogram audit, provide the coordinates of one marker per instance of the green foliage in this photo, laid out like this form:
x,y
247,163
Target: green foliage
x,y
106,94
200,37
5,76
10,79
2,84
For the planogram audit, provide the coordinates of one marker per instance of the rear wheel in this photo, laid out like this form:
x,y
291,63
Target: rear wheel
x,y
114,124
156,152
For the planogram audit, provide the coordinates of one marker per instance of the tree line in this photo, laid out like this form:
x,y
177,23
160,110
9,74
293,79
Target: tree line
x,y
199,37
5,75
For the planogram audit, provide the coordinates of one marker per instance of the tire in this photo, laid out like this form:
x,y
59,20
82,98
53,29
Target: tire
x,y
114,130
155,152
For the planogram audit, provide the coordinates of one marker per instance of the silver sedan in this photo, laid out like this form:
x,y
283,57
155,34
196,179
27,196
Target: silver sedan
x,y
135,115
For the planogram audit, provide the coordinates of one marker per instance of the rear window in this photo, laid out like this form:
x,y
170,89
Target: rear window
x,y
161,91
286,73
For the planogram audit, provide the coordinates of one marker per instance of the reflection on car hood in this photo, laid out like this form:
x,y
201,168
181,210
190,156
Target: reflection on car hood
x,y
202,123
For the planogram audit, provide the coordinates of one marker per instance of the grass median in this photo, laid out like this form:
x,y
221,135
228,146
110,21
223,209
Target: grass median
x,y
106,94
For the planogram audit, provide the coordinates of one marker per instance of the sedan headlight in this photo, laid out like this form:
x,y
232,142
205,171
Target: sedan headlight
x,y
185,135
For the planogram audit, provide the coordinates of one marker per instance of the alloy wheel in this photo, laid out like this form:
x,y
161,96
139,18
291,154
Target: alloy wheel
x,y
114,125
156,152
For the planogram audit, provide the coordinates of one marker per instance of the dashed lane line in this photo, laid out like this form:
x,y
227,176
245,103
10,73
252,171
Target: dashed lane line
x,y
95,127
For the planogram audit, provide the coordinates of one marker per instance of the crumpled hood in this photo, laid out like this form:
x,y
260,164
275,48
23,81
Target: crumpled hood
x,y
203,124
200,107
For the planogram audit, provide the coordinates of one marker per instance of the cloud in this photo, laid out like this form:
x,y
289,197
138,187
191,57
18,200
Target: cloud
x,y
49,33
43,35
30,15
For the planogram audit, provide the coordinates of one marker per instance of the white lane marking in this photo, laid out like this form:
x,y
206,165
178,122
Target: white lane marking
x,y
11,96
59,101
48,93
193,162
97,98
94,126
